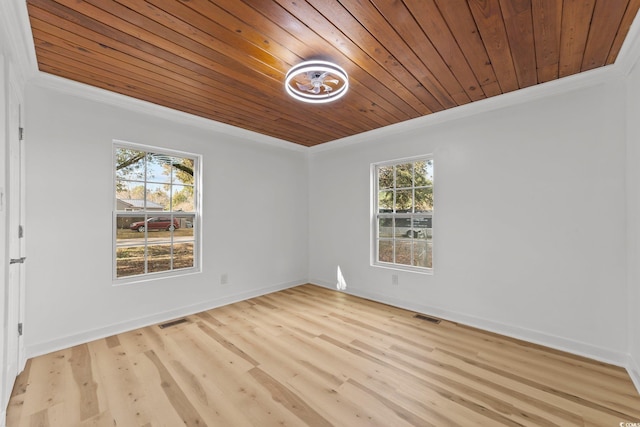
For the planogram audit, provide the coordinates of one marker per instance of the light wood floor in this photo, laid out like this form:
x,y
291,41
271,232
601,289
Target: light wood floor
x,y
312,356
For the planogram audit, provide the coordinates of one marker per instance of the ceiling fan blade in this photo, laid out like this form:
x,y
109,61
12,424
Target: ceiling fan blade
x,y
304,87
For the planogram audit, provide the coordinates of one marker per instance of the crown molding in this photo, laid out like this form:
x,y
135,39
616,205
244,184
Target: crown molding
x,y
81,90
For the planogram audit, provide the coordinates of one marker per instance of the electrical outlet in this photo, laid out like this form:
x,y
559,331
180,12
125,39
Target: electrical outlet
x,y
224,279
394,279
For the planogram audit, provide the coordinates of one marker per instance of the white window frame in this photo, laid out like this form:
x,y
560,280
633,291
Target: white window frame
x,y
375,216
197,214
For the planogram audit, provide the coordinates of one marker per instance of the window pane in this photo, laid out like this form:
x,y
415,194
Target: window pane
x,y
424,199
158,197
421,254
183,255
385,227
159,258
385,201
157,228
185,227
129,227
183,171
423,173
403,228
385,250
403,252
162,226
182,198
421,227
129,195
385,177
404,201
130,164
129,261
159,168
404,175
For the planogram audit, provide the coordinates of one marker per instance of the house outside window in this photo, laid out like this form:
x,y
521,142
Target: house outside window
x,y
403,219
156,212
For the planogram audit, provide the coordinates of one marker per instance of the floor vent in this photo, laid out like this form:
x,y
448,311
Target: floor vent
x,y
172,323
427,318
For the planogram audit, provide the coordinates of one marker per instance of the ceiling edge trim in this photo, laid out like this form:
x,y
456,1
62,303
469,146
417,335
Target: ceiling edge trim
x,y
510,99
91,93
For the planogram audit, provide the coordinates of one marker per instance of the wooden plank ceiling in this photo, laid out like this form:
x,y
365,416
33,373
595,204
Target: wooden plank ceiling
x,y
226,60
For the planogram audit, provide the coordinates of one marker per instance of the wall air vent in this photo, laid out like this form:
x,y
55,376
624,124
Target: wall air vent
x,y
427,318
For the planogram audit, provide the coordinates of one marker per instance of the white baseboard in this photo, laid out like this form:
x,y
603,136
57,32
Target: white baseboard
x,y
633,368
535,337
94,334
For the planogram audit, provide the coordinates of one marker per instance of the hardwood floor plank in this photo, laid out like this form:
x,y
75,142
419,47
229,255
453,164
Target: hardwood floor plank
x,y
344,412
502,383
103,419
313,356
226,343
482,381
17,402
282,395
44,394
196,370
40,419
112,341
371,409
153,395
222,370
176,395
121,385
82,374
400,411
458,392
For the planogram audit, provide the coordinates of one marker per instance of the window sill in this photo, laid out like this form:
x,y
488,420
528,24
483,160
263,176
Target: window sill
x,y
152,277
408,269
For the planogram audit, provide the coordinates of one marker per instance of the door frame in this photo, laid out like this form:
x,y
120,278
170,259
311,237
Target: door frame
x,y
12,200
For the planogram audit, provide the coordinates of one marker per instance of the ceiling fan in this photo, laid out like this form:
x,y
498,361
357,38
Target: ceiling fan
x,y
316,82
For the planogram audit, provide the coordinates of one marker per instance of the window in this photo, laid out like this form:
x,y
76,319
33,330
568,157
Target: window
x,y
156,214
403,197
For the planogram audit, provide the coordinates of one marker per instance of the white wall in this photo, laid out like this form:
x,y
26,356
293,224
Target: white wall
x,y
529,226
633,216
254,219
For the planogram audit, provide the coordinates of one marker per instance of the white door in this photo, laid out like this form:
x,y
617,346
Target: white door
x,y
15,239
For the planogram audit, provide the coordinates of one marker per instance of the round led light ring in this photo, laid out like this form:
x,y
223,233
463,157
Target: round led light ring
x,y
323,66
